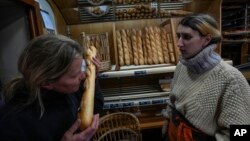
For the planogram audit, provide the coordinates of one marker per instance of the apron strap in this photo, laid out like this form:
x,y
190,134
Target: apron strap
x,y
180,129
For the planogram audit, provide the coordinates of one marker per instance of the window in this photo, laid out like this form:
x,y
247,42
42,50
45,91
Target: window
x,y
47,22
47,16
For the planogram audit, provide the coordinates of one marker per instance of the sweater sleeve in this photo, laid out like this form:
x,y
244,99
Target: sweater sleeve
x,y
234,106
167,112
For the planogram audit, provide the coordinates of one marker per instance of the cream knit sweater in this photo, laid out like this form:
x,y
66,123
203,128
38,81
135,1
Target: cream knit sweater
x,y
211,94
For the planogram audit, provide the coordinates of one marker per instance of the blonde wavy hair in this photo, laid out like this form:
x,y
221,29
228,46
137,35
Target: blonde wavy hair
x,y
45,59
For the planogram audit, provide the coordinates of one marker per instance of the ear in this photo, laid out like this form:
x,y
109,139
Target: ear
x,y
207,40
47,85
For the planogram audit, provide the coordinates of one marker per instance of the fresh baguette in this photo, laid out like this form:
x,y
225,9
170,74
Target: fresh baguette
x,y
120,48
86,112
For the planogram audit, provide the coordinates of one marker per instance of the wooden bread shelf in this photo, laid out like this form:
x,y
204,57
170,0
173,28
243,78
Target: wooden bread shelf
x,y
152,123
152,69
238,32
245,69
145,42
127,10
229,41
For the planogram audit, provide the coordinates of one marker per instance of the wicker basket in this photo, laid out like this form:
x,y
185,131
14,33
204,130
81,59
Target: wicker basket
x,y
101,42
120,134
111,126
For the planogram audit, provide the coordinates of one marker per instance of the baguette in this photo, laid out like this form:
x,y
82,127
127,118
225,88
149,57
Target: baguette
x,y
129,45
158,44
148,46
135,47
164,45
125,47
153,45
120,48
139,47
86,111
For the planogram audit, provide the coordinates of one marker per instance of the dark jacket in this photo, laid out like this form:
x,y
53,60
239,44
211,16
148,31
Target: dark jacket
x,y
23,123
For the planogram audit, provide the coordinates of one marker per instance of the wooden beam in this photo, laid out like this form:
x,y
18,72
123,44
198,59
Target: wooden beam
x,y
29,2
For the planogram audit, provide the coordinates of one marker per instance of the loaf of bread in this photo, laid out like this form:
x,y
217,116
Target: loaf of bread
x,y
134,46
158,44
164,45
180,13
172,58
171,48
153,45
87,41
148,46
86,111
139,47
168,37
125,47
120,48
144,49
165,87
129,45
170,43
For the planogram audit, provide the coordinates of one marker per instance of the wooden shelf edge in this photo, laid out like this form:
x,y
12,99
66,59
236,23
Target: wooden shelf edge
x,y
241,32
153,124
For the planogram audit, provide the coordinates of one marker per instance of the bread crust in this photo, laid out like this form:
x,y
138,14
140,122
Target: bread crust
x,y
86,111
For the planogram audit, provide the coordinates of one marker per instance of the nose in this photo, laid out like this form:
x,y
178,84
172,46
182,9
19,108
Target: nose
x,y
179,42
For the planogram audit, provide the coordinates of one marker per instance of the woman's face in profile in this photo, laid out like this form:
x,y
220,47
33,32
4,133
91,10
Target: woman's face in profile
x,y
190,42
70,81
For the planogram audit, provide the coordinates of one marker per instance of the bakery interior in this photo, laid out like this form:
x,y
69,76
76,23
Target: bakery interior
x,y
134,86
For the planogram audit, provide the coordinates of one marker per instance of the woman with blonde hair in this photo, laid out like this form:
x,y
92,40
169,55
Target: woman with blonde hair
x,y
42,104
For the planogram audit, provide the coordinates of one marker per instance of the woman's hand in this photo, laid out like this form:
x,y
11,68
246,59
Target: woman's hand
x,y
84,135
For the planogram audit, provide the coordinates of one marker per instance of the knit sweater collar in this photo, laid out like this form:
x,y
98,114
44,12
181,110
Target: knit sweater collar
x,y
203,61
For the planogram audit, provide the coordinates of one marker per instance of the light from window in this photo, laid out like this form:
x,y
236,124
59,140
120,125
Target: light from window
x,y
46,20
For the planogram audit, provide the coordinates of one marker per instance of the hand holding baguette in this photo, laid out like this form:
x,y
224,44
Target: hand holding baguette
x,y
87,102
85,135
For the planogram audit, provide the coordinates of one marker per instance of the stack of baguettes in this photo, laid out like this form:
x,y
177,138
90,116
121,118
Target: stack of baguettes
x,y
146,46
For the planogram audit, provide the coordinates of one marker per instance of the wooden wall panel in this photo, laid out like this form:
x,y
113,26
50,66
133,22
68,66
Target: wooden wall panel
x,y
73,14
65,3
